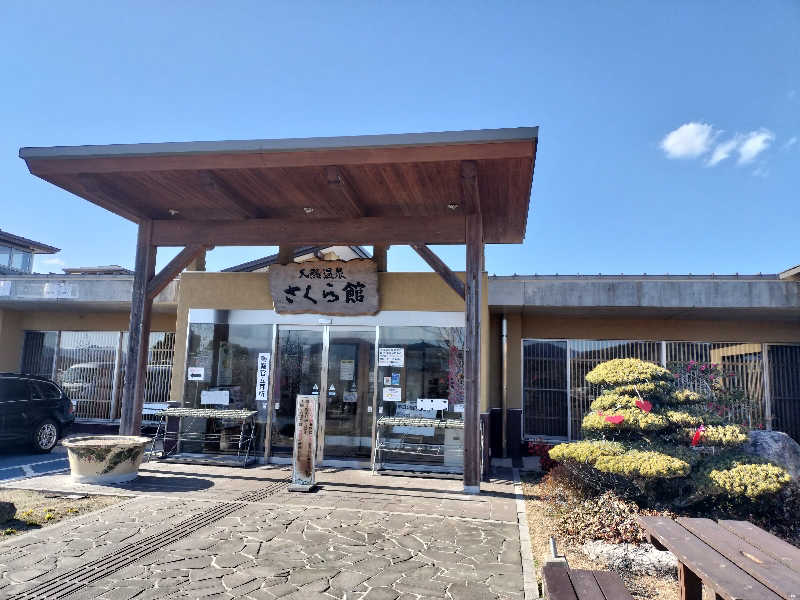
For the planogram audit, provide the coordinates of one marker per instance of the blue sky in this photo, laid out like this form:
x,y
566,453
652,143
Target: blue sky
x,y
668,130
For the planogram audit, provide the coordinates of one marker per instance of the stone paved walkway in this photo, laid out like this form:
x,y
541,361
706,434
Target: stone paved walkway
x,y
361,537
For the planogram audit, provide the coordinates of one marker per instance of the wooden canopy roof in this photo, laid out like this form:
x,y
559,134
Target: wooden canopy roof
x,y
384,189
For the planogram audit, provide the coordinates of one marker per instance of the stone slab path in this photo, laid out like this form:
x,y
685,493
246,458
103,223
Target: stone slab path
x,y
217,532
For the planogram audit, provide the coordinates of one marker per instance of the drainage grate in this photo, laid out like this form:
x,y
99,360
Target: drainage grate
x,y
74,580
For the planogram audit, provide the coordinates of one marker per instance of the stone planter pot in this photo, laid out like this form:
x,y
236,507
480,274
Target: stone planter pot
x,y
105,458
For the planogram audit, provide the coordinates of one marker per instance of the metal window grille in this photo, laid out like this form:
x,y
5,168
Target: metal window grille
x,y
742,368
585,355
90,366
784,375
544,388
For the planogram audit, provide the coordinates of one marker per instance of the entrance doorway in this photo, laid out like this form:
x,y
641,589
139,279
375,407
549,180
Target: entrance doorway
x,y
335,363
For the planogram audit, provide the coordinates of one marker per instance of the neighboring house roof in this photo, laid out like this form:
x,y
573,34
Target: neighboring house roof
x,y
300,254
26,244
101,270
793,273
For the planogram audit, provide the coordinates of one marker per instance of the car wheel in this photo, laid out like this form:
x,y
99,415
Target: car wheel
x,y
45,436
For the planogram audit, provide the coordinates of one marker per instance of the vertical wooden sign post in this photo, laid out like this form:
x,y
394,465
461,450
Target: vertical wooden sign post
x,y
305,444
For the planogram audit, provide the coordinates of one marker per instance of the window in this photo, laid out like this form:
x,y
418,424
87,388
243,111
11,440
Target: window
x,y
12,390
48,391
21,260
5,256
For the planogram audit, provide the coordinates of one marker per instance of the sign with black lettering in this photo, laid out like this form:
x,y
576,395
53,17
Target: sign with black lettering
x,y
326,287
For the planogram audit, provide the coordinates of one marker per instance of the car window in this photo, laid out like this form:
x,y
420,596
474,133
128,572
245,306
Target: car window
x,y
13,389
47,390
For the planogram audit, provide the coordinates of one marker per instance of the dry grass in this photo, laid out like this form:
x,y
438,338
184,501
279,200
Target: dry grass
x,y
541,522
38,509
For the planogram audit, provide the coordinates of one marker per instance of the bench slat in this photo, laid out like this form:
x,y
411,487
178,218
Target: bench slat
x,y
716,571
557,585
766,542
612,586
759,565
585,585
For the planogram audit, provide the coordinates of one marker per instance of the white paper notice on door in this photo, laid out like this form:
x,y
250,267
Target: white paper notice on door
x,y
391,394
195,373
346,370
391,357
214,397
431,403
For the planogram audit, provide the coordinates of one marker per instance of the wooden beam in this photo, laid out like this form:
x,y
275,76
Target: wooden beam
x,y
172,269
438,265
311,231
472,353
353,206
276,159
112,198
130,422
380,253
470,199
285,254
241,205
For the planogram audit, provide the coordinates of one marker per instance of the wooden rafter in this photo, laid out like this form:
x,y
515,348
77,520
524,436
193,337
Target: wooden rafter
x,y
353,207
447,229
172,269
241,205
438,265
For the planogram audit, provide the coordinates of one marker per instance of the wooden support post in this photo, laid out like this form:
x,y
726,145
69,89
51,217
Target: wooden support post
x,y
285,255
130,422
438,265
689,584
472,353
380,254
173,269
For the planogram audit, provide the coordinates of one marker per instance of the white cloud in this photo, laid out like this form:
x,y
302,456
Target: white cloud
x,y
724,150
688,141
753,144
53,261
790,142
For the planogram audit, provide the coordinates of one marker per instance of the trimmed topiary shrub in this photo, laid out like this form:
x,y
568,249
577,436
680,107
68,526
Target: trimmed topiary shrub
x,y
645,437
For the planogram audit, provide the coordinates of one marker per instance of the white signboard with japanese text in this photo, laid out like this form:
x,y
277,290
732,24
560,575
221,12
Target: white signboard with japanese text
x,y
326,287
347,369
262,376
392,394
391,357
431,403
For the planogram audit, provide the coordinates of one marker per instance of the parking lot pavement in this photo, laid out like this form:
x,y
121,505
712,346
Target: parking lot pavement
x,y
16,463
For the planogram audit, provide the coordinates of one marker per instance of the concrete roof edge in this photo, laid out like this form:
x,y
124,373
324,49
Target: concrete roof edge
x,y
287,144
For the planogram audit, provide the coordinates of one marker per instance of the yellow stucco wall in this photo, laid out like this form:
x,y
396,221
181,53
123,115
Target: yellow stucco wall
x,y
250,291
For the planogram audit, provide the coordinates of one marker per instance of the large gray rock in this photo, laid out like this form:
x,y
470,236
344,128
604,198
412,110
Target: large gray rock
x,y
7,511
636,558
777,447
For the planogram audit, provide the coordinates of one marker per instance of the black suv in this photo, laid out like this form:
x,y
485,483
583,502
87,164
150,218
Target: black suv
x,y
34,410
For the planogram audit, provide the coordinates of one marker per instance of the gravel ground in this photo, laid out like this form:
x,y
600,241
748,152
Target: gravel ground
x,y
38,509
641,587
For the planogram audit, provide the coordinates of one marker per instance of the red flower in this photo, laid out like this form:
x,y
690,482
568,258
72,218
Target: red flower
x,y
615,419
644,405
697,435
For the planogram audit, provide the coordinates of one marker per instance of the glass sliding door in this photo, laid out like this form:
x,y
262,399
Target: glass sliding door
x,y
348,398
299,371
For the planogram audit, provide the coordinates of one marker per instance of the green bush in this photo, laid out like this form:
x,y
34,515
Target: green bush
x,y
741,476
586,451
648,465
641,435
627,371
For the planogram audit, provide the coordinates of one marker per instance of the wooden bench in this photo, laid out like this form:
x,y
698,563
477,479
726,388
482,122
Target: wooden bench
x,y
734,559
562,583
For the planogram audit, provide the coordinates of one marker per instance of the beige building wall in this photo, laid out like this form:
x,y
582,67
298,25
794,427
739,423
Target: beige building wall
x,y
243,291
